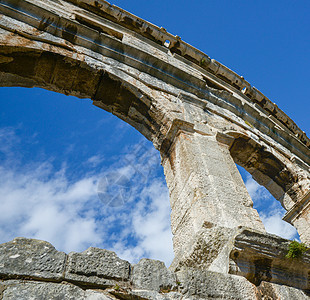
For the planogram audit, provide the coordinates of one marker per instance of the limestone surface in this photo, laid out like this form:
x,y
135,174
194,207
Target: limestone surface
x,y
197,284
150,279
254,255
31,258
96,266
27,290
153,275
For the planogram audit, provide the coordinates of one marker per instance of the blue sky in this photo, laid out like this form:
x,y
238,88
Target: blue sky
x,y
55,149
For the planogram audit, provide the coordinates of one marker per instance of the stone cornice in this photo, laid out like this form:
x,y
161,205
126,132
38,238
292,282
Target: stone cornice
x,y
299,207
179,47
177,125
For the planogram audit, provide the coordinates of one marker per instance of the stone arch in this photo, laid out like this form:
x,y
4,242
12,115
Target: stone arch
x,y
268,168
60,72
286,178
197,112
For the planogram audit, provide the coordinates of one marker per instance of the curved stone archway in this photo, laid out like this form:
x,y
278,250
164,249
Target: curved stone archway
x,y
62,73
200,115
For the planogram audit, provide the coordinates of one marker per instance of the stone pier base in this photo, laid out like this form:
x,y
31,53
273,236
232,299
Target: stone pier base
x,y
258,269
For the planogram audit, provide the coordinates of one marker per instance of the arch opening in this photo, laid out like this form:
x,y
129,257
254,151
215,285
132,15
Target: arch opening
x,y
51,191
271,171
269,209
76,76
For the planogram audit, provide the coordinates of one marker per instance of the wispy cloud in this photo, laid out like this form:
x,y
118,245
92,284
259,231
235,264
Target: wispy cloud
x,y
270,210
8,141
274,224
95,160
151,224
39,201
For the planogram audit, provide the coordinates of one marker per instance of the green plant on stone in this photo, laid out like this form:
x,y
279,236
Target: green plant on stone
x,y
203,62
249,124
296,250
116,287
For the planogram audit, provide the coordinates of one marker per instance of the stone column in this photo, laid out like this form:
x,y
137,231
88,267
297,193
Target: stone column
x,y
206,188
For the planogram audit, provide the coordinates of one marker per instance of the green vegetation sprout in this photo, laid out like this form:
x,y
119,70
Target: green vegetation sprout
x,y
296,250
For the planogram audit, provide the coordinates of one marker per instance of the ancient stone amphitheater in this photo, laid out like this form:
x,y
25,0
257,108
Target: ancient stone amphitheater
x,y
203,118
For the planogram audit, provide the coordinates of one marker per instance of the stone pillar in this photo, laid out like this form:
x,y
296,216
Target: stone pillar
x,y
206,188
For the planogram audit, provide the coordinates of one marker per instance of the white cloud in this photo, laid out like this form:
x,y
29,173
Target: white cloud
x,y
274,224
270,210
40,202
149,221
41,205
95,160
152,221
8,141
256,191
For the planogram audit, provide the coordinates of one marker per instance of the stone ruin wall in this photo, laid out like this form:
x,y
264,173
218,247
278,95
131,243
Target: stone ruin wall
x,y
201,116
33,269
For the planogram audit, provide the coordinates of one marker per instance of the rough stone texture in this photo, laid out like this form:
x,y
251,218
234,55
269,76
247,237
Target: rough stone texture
x,y
24,290
256,256
196,284
209,250
205,180
155,295
145,294
96,266
31,258
150,279
151,274
262,257
269,290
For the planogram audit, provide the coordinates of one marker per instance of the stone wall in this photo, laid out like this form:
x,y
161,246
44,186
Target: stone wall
x,y
34,269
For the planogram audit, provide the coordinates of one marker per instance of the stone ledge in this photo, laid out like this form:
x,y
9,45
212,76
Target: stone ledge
x,y
262,257
194,284
38,260
30,290
245,252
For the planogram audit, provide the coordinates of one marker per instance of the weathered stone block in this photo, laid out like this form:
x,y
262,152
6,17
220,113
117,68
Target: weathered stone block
x,y
153,275
197,284
88,49
268,290
262,257
96,266
208,251
152,295
245,252
14,289
31,258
